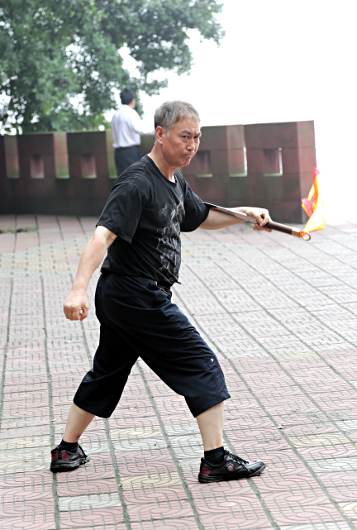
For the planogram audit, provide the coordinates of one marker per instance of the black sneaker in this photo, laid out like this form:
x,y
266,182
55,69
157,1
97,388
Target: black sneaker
x,y
65,460
232,468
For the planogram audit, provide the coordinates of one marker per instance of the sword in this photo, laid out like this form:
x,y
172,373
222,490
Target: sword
x,y
271,224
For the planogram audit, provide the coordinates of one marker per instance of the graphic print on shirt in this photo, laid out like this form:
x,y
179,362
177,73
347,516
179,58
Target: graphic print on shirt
x,y
169,243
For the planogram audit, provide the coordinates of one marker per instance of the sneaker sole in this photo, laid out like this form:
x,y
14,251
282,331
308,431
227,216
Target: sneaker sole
x,y
60,468
206,479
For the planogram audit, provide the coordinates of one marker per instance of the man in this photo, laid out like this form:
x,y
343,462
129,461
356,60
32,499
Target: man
x,y
127,128
149,205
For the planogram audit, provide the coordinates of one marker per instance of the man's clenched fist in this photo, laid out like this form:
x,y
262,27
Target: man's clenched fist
x,y
76,306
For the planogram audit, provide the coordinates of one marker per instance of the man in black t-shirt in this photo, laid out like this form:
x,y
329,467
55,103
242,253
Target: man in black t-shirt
x,y
149,205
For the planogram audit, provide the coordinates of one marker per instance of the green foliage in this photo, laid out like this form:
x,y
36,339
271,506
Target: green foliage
x,y
56,53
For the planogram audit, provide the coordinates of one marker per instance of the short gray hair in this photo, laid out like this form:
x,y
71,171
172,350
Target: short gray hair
x,y
171,112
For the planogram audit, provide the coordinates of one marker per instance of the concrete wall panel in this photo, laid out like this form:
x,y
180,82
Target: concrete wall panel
x,y
268,165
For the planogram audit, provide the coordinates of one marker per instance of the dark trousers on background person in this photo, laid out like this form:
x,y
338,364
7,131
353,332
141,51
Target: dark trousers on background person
x,y
125,156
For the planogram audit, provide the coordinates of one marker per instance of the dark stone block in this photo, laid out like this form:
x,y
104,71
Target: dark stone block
x,y
271,135
273,189
87,142
41,189
275,135
237,162
294,212
287,212
199,165
256,190
219,162
9,157
3,175
102,166
255,161
222,137
306,181
307,159
147,143
291,187
306,133
110,164
43,156
211,189
44,185
235,137
297,160
213,138
91,157
36,144
238,192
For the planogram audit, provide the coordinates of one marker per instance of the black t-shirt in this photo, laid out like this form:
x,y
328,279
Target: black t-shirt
x,y
147,212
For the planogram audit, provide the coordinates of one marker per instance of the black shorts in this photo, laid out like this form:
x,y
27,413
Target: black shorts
x,y
138,319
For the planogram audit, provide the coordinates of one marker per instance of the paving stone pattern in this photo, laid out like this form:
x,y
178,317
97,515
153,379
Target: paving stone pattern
x,y
281,315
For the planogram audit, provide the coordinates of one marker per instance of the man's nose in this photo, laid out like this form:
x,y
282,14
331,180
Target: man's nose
x,y
191,146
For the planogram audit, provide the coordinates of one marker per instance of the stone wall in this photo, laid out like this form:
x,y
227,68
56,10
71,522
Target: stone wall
x,y
268,165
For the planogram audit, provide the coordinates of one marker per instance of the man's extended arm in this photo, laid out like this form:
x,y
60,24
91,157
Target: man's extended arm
x,y
139,126
76,305
216,219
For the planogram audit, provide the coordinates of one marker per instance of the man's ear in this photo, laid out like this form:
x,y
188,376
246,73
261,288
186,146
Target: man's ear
x,y
160,133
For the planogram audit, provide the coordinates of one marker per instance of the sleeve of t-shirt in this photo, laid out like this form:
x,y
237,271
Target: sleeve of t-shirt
x,y
196,210
122,211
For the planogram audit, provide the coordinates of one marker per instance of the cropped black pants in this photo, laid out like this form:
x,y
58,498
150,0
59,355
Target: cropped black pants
x,y
138,319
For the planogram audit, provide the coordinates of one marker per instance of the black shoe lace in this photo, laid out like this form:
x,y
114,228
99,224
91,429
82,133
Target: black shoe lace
x,y
236,458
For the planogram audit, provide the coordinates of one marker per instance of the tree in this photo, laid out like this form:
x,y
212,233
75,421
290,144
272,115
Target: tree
x,y
60,59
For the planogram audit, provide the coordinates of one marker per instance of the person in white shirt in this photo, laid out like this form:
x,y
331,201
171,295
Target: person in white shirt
x,y
126,128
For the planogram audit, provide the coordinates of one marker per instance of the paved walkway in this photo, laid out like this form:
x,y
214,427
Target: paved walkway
x,y
281,315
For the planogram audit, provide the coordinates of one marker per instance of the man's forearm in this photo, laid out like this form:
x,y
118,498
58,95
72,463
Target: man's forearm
x,y
91,258
76,304
217,219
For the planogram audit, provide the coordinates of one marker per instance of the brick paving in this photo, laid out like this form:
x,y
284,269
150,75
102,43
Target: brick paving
x,y
281,315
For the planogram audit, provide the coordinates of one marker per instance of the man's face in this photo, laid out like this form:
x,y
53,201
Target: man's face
x,y
181,145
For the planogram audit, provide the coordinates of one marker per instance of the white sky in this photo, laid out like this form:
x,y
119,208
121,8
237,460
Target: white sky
x,y
282,60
